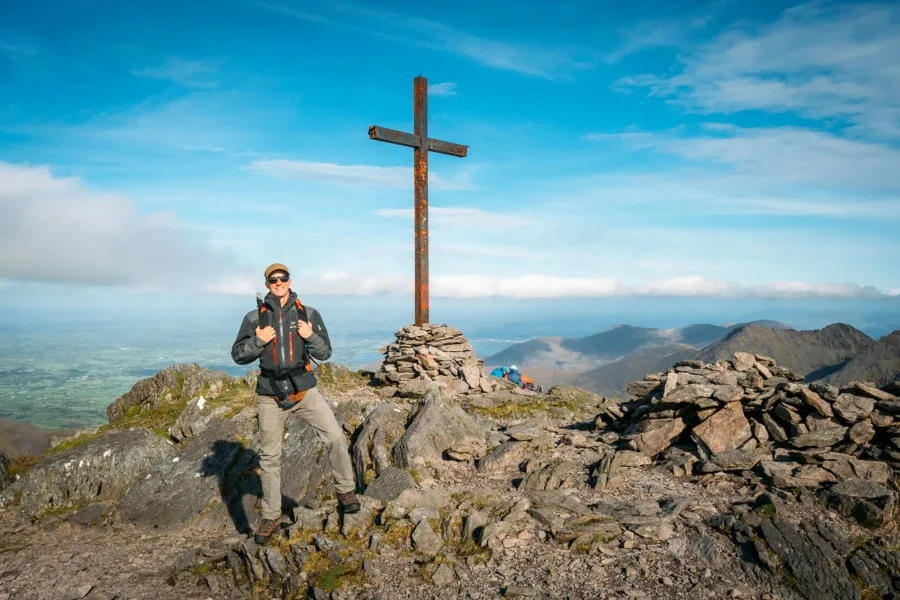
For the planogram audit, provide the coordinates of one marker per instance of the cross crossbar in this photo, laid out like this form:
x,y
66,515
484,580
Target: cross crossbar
x,y
422,145
401,138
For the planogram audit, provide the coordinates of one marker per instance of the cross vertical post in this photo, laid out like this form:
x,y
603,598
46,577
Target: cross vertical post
x,y
420,194
422,145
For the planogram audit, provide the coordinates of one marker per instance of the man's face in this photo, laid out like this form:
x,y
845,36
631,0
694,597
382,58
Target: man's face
x,y
279,283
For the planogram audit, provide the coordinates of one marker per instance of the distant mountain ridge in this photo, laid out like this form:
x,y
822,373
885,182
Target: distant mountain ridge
x,y
837,353
812,353
584,353
879,363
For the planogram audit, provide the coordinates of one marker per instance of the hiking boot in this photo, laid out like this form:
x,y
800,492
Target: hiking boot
x,y
266,530
348,503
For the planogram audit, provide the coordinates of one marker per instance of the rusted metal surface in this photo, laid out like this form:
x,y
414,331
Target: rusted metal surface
x,y
420,186
401,138
422,145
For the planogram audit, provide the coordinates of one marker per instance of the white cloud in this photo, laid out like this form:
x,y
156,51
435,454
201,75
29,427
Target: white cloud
x,y
442,89
56,230
818,60
355,175
466,217
187,73
775,160
547,286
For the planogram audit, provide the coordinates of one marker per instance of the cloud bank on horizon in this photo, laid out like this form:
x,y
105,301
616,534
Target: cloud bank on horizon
x,y
690,150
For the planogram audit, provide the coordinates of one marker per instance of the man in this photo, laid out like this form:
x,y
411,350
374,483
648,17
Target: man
x,y
514,375
283,334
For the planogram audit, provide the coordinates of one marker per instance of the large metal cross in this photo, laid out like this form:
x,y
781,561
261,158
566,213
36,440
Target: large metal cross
x,y
420,141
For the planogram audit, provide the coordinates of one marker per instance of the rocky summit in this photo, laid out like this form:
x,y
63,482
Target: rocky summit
x,y
727,479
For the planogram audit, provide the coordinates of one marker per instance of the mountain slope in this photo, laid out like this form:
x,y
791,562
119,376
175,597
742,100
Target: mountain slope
x,y
605,347
611,379
880,363
814,353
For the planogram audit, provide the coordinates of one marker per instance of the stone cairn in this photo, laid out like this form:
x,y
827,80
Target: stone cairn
x,y
750,414
428,356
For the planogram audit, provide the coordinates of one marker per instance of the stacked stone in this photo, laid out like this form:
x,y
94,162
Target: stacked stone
x,y
432,355
749,413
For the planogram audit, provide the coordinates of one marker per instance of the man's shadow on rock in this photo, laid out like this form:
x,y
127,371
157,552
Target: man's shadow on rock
x,y
240,488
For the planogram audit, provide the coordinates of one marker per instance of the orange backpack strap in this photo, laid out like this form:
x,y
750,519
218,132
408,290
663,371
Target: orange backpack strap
x,y
301,312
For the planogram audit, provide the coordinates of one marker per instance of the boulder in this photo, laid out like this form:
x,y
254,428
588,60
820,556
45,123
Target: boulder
x,y
820,438
101,468
743,361
853,408
726,430
437,424
390,483
652,437
861,388
371,451
871,504
177,381
177,490
195,418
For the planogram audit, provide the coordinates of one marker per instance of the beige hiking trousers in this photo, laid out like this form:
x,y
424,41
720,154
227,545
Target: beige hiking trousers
x,y
315,411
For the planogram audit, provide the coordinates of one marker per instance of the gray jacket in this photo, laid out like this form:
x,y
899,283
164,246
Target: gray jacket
x,y
287,356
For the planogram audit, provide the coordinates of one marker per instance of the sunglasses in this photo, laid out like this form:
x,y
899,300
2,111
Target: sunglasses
x,y
276,278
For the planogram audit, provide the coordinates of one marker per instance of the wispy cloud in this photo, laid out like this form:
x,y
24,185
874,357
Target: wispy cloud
x,y
442,89
818,60
186,73
544,61
776,156
468,217
292,12
354,175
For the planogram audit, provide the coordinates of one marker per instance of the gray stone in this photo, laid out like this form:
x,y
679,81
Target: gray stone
x,y
861,388
371,451
726,430
390,484
827,391
871,504
437,424
101,469
820,439
662,435
743,361
425,540
505,456
553,475
862,432
181,380
195,418
815,564
853,408
816,402
890,407
733,460
443,576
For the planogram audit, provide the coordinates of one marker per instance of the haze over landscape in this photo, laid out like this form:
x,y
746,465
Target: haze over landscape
x,y
657,165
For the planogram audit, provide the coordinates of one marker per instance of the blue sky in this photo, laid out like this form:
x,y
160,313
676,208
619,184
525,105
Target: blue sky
x,y
676,149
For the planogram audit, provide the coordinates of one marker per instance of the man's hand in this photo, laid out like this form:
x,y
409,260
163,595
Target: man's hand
x,y
266,334
304,329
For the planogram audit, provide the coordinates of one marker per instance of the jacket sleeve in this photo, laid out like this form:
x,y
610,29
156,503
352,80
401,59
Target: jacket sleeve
x,y
318,344
247,347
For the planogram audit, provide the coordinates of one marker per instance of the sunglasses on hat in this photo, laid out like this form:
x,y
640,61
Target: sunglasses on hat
x,y
276,278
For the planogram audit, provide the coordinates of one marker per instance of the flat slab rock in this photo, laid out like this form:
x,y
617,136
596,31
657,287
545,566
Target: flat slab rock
x,y
102,468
